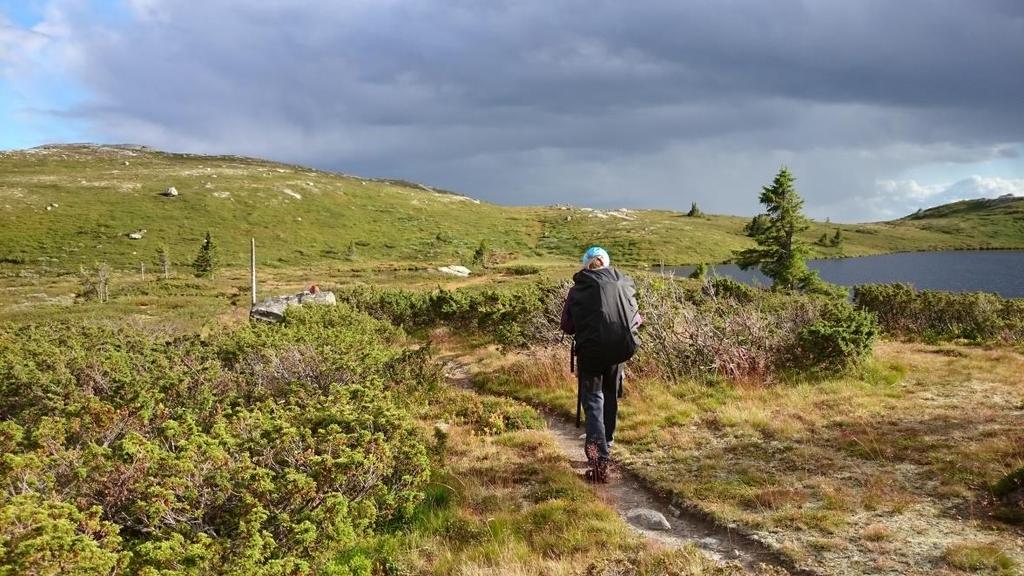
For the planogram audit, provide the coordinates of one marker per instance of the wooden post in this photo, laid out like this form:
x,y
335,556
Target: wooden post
x,y
252,268
142,267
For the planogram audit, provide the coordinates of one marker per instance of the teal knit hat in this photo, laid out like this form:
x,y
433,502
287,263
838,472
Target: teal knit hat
x,y
596,252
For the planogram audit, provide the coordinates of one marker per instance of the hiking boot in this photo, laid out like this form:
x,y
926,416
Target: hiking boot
x,y
598,472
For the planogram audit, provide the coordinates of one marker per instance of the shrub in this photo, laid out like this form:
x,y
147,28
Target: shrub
x,y
39,535
1009,491
521,270
723,329
513,317
931,315
95,283
840,337
270,449
1010,484
717,328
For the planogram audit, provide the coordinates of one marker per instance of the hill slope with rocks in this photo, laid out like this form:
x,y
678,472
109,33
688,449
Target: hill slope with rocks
x,y
63,206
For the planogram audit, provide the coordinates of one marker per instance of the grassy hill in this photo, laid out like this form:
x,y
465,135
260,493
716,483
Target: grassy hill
x,y
64,206
973,220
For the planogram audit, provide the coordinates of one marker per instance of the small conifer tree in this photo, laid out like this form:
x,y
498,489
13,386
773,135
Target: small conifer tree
x,y
699,271
837,239
206,260
780,254
823,240
480,254
164,256
694,211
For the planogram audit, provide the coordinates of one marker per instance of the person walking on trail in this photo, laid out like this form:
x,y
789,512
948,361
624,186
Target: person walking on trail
x,y
601,313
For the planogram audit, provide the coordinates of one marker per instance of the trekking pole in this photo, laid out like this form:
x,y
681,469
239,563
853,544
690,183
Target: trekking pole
x,y
579,386
572,356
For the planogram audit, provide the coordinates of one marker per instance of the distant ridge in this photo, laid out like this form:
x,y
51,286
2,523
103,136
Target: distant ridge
x,y
1006,205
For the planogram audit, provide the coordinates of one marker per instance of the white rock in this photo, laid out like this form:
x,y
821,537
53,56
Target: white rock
x,y
647,518
292,193
137,235
272,309
171,192
460,271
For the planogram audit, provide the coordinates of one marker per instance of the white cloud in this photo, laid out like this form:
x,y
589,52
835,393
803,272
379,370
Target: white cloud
x,y
986,187
893,198
908,189
17,45
889,198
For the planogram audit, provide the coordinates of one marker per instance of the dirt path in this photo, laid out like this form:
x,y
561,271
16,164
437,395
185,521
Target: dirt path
x,y
626,493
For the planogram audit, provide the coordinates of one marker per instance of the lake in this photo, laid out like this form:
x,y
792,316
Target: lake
x,y
999,271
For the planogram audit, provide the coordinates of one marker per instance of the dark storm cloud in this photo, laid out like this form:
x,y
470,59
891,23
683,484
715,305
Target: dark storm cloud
x,y
652,103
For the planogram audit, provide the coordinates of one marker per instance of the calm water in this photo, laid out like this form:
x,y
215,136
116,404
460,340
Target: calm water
x,y
999,271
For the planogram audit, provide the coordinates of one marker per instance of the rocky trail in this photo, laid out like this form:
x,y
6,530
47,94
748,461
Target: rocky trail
x,y
656,517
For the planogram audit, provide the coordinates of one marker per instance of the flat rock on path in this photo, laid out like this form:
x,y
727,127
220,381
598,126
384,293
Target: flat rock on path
x,y
647,518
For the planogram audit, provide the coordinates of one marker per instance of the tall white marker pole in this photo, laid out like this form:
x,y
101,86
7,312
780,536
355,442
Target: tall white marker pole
x,y
252,268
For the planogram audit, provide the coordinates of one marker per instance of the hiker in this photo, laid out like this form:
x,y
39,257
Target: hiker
x,y
601,313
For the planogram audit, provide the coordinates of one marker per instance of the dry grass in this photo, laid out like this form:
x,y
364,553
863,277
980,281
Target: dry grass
x,y
509,505
895,462
980,557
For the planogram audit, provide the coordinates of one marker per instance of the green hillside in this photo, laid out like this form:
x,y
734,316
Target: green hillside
x,y
973,220
62,206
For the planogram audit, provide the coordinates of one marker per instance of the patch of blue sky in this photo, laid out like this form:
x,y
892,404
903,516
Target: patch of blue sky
x,y
40,109
28,13
40,112
22,13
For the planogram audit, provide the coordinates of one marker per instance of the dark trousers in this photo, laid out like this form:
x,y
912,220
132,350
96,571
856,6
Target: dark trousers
x,y
600,391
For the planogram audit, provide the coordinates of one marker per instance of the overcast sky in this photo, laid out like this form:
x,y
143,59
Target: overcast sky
x,y
878,106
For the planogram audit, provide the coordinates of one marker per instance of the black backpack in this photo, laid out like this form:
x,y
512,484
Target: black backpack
x,y
604,310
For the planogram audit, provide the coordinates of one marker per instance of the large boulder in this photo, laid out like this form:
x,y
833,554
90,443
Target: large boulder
x,y
460,271
273,309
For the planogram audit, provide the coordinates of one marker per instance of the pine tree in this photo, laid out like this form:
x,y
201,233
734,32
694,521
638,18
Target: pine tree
x,y
837,240
206,260
480,254
164,256
699,271
823,240
780,254
694,211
